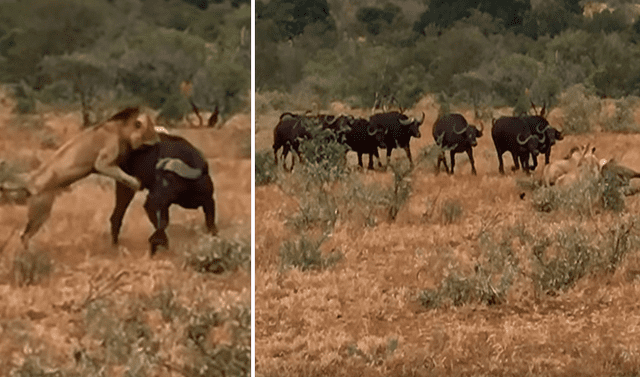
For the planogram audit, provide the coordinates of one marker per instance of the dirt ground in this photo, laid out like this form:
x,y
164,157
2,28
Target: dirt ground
x,y
362,317
48,322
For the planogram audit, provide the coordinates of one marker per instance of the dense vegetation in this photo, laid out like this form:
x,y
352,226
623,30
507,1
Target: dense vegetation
x,y
465,51
97,53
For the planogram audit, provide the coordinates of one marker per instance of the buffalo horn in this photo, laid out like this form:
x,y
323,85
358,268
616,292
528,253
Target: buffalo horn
x,y
525,141
460,132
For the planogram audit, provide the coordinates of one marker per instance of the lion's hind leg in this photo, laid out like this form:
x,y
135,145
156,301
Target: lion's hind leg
x,y
39,211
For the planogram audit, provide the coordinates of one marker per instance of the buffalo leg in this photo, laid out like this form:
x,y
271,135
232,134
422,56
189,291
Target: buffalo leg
x,y
209,207
159,216
360,159
375,153
501,162
516,162
124,195
39,211
408,150
547,154
442,160
534,159
389,155
473,163
453,160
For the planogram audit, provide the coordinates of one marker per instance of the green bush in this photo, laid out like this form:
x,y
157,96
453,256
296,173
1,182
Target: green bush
x,y
265,171
488,284
304,253
580,109
216,255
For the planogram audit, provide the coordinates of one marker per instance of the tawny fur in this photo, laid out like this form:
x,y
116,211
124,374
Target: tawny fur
x,y
95,150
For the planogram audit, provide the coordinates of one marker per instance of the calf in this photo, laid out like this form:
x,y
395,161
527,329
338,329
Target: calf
x,y
174,172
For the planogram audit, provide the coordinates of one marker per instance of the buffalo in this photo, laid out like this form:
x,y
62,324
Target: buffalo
x,y
288,134
548,135
363,137
452,132
514,134
398,131
174,172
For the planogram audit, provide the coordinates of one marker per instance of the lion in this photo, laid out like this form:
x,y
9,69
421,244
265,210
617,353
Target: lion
x,y
96,150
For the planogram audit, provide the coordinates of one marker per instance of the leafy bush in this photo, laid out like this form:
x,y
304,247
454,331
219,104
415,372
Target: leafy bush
x,y
304,253
488,284
324,156
580,109
577,254
580,198
217,255
265,172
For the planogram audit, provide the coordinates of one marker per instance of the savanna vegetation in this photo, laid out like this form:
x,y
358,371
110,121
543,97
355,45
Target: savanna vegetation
x,y
463,51
407,272
96,55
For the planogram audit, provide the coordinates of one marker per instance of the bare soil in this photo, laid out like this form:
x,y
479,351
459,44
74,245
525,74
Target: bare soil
x,y
362,317
49,323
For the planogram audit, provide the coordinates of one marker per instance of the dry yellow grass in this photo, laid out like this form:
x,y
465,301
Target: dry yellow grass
x,y
363,317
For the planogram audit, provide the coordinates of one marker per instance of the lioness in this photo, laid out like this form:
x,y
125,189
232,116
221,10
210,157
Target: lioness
x,y
96,150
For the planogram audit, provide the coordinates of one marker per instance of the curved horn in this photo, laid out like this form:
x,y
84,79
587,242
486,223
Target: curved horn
x,y
421,119
525,140
461,132
179,167
546,127
481,125
335,119
372,127
406,122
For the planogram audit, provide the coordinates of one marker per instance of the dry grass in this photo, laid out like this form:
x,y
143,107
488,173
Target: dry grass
x,y
364,315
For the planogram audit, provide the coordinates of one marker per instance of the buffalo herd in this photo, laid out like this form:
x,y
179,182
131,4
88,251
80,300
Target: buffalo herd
x,y
525,136
363,136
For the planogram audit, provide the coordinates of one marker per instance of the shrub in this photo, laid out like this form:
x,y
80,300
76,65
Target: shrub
x,y
578,198
217,255
488,284
451,211
304,253
265,172
400,192
317,208
324,156
31,267
580,108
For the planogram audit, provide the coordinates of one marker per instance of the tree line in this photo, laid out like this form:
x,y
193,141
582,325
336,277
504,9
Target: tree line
x,y
101,53
486,52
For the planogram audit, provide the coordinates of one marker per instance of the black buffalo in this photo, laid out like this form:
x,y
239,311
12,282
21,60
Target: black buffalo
x,y
398,131
363,137
548,135
513,134
288,133
174,172
452,133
